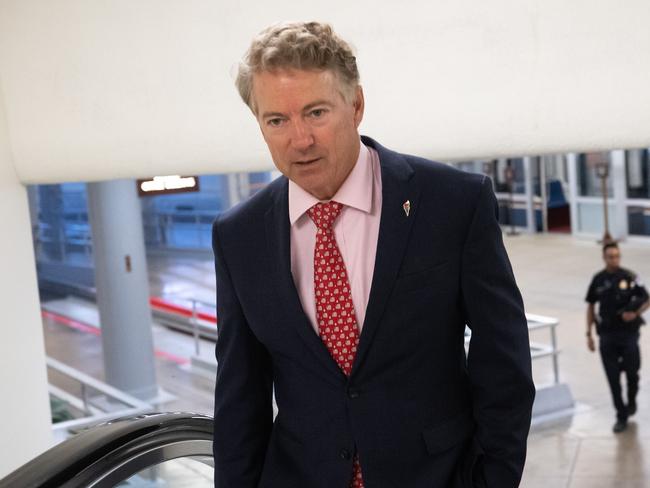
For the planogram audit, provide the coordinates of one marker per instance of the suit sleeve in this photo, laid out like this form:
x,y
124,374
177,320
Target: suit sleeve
x,y
243,412
499,362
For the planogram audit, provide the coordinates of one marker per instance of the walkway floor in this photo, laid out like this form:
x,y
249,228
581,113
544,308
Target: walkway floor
x,y
553,272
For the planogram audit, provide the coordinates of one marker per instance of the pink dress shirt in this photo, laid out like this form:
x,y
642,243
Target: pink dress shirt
x,y
356,231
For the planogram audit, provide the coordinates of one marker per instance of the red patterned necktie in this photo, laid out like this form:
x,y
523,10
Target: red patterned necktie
x,y
337,323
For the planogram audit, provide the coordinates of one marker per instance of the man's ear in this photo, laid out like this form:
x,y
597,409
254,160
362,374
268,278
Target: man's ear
x,y
359,105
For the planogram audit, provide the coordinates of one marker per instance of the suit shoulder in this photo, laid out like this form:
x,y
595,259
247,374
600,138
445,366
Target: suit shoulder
x,y
457,187
445,172
440,175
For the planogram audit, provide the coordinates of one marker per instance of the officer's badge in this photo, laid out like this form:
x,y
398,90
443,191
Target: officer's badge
x,y
623,284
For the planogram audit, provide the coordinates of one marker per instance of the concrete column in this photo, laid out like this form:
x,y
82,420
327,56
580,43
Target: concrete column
x,y
635,167
122,287
530,194
618,218
542,190
25,429
234,197
572,167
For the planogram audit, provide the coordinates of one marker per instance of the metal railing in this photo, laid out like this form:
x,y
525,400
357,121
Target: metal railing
x,y
195,324
99,402
542,350
195,318
538,350
123,452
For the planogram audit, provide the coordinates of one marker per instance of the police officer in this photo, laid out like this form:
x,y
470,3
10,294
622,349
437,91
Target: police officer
x,y
621,299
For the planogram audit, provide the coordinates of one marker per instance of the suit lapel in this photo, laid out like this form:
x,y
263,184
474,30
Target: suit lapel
x,y
278,239
398,187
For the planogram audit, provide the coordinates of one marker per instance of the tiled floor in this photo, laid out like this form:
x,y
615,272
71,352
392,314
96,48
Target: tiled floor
x,y
553,272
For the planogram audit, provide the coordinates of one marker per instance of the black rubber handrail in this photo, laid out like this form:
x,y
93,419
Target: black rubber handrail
x,y
89,454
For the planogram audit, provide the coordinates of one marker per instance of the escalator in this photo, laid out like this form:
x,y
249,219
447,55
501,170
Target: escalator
x,y
154,450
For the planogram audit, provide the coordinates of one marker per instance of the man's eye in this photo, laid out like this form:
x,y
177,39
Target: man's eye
x,y
274,122
318,112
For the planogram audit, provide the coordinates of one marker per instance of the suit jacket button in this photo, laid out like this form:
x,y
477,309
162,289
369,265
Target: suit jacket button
x,y
345,454
352,393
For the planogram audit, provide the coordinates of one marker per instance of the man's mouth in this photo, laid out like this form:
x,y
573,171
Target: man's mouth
x,y
306,162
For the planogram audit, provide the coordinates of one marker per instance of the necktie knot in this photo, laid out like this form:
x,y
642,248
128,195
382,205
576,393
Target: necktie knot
x,y
324,214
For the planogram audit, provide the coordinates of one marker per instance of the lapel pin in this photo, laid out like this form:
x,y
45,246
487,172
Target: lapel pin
x,y
407,207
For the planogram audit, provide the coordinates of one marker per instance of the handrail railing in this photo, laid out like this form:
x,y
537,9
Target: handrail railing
x,y
539,350
114,402
199,323
112,452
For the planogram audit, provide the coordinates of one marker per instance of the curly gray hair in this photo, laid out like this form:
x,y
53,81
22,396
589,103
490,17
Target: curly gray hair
x,y
298,45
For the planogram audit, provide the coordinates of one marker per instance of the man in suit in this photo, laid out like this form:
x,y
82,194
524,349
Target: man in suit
x,y
344,288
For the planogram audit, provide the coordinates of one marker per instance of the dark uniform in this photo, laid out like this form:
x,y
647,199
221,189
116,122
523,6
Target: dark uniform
x,y
616,293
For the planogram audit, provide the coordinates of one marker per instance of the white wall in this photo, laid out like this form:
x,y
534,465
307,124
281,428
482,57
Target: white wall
x,y
98,89
24,408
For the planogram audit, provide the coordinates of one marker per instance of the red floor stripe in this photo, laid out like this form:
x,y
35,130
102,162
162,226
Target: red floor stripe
x,y
74,324
171,357
161,304
71,323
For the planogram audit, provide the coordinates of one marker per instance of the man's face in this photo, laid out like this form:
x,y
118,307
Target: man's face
x,y
612,257
310,129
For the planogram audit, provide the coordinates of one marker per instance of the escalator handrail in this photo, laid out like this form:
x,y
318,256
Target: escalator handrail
x,y
111,440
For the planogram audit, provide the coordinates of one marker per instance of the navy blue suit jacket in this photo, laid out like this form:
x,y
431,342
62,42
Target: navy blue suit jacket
x,y
415,408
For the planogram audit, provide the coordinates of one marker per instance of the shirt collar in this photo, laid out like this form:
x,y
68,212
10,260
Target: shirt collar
x,y
355,192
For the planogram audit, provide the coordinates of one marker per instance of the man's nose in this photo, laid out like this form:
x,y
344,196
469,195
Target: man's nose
x,y
301,135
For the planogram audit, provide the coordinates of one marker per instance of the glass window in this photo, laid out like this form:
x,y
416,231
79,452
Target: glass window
x,y
469,166
62,233
49,229
500,171
590,166
638,221
637,172
507,174
557,178
184,220
174,221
